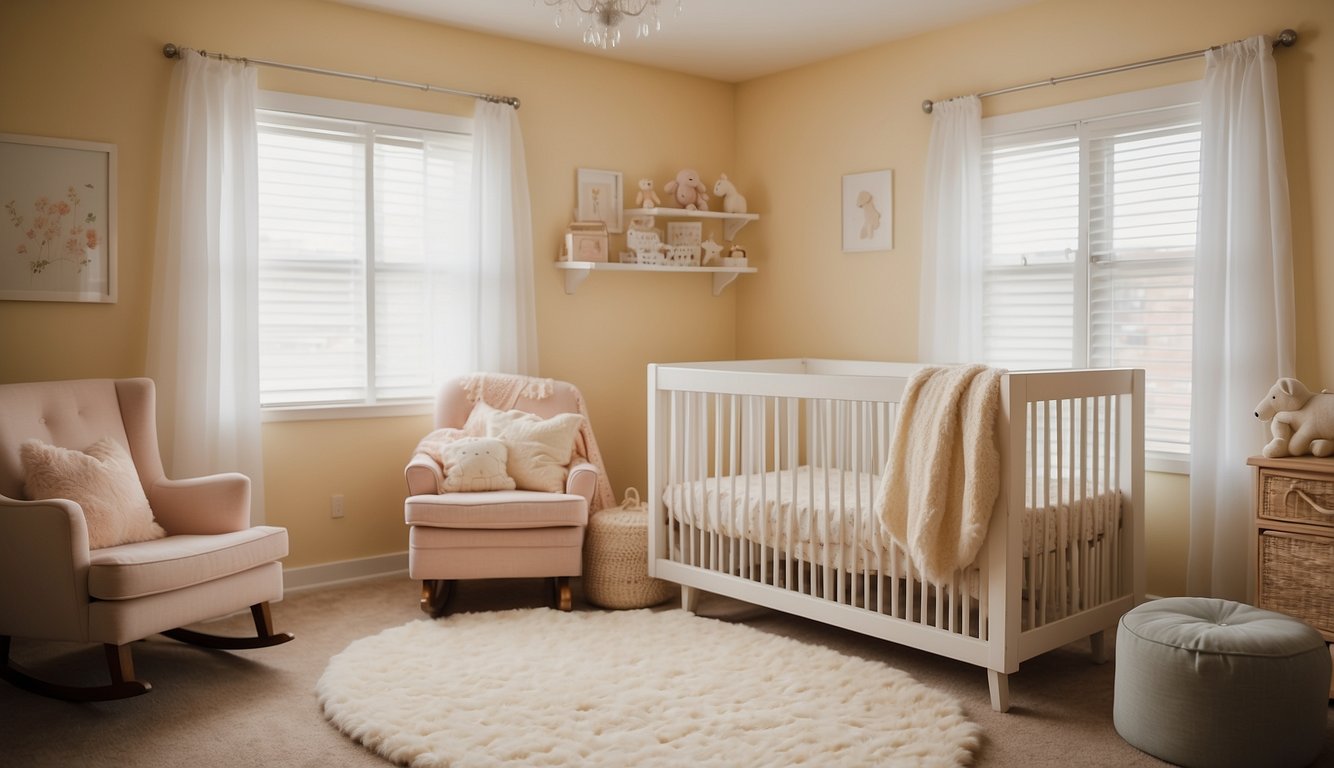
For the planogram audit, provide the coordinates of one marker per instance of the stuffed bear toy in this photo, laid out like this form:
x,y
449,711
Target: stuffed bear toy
x,y
647,198
1300,420
689,191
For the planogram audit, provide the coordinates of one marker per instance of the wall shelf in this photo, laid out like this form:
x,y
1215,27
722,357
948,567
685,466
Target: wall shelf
x,y
576,272
732,222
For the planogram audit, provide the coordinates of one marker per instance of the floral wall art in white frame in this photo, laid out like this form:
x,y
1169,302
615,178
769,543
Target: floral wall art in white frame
x,y
58,231
599,197
868,211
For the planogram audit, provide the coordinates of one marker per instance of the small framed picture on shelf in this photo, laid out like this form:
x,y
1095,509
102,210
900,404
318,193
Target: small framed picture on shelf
x,y
599,196
868,211
684,232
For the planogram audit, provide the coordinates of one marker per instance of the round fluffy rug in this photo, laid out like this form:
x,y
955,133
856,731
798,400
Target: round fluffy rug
x,y
545,688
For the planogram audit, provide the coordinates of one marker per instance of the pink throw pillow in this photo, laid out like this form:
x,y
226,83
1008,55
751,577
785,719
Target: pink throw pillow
x,y
102,480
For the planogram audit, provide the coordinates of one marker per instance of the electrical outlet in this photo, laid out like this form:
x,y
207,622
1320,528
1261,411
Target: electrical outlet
x,y
336,506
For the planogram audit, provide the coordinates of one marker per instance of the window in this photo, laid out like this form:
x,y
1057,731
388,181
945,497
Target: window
x,y
1089,226
364,288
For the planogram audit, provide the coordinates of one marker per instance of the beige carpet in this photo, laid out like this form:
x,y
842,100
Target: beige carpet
x,y
258,708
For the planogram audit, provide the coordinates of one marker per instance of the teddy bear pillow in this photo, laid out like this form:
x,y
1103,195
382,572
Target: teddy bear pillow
x,y
473,464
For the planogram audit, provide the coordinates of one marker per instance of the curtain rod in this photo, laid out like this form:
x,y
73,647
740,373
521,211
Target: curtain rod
x,y
171,51
1287,38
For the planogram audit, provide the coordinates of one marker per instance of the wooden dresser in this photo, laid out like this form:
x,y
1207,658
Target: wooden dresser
x,y
1294,540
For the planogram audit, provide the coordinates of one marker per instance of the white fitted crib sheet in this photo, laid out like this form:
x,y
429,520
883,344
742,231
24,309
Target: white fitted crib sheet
x,y
793,510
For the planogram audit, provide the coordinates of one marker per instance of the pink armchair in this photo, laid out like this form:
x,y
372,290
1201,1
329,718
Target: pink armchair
x,y
496,534
211,563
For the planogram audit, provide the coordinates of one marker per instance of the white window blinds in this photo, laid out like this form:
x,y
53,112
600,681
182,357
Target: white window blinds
x,y
1089,238
1030,223
363,292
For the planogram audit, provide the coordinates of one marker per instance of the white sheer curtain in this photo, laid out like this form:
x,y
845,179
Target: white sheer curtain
x,y
1244,328
203,338
949,319
503,244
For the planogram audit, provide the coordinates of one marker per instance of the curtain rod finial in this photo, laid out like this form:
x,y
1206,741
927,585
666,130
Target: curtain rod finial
x,y
927,106
1288,37
170,51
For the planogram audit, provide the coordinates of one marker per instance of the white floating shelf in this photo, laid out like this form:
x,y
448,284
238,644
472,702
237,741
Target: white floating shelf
x,y
576,272
732,222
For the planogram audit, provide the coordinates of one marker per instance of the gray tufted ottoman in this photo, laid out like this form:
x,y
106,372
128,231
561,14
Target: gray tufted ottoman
x,y
1207,682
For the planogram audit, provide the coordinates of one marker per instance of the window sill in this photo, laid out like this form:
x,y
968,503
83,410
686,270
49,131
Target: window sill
x,y
347,411
1166,463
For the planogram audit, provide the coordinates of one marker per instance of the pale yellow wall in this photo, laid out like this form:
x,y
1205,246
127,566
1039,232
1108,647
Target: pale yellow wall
x,y
93,70
1167,513
798,132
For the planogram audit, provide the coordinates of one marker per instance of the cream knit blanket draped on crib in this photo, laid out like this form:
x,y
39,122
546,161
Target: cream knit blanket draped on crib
x,y
943,474
503,390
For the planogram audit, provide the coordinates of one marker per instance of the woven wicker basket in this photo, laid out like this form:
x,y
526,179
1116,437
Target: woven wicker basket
x,y
616,558
1294,577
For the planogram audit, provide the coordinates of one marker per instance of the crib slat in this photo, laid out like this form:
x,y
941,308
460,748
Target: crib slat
x,y
984,603
945,607
754,442
727,425
1047,521
1063,519
853,552
674,475
922,609
834,582
701,470
1076,508
1030,513
901,570
1096,494
1114,464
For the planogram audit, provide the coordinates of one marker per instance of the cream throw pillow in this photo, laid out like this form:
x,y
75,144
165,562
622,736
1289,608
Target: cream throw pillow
x,y
539,449
475,464
479,417
102,480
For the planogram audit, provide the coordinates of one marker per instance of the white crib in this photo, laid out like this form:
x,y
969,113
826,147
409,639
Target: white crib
x,y
762,476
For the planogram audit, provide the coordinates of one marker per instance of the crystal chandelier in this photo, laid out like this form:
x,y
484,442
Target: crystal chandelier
x,y
601,19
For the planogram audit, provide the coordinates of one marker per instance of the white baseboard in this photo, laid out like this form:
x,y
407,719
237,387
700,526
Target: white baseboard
x,y
325,574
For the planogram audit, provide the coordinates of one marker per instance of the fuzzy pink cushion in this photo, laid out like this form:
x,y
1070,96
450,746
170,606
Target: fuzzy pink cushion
x,y
102,480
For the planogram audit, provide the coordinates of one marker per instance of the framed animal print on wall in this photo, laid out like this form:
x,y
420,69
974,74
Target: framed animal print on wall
x,y
868,211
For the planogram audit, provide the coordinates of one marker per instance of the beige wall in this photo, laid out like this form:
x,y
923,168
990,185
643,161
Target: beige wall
x,y
798,132
94,71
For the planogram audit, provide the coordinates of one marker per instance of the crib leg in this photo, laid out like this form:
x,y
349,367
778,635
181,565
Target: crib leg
x,y
1098,647
689,598
999,683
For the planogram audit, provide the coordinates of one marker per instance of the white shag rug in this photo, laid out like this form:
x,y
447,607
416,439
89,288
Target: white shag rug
x,y
541,687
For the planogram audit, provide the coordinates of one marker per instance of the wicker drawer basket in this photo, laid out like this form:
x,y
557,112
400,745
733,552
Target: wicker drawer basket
x,y
1299,499
1297,577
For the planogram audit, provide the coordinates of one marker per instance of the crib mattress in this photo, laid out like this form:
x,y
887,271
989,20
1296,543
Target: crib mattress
x,y
793,510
